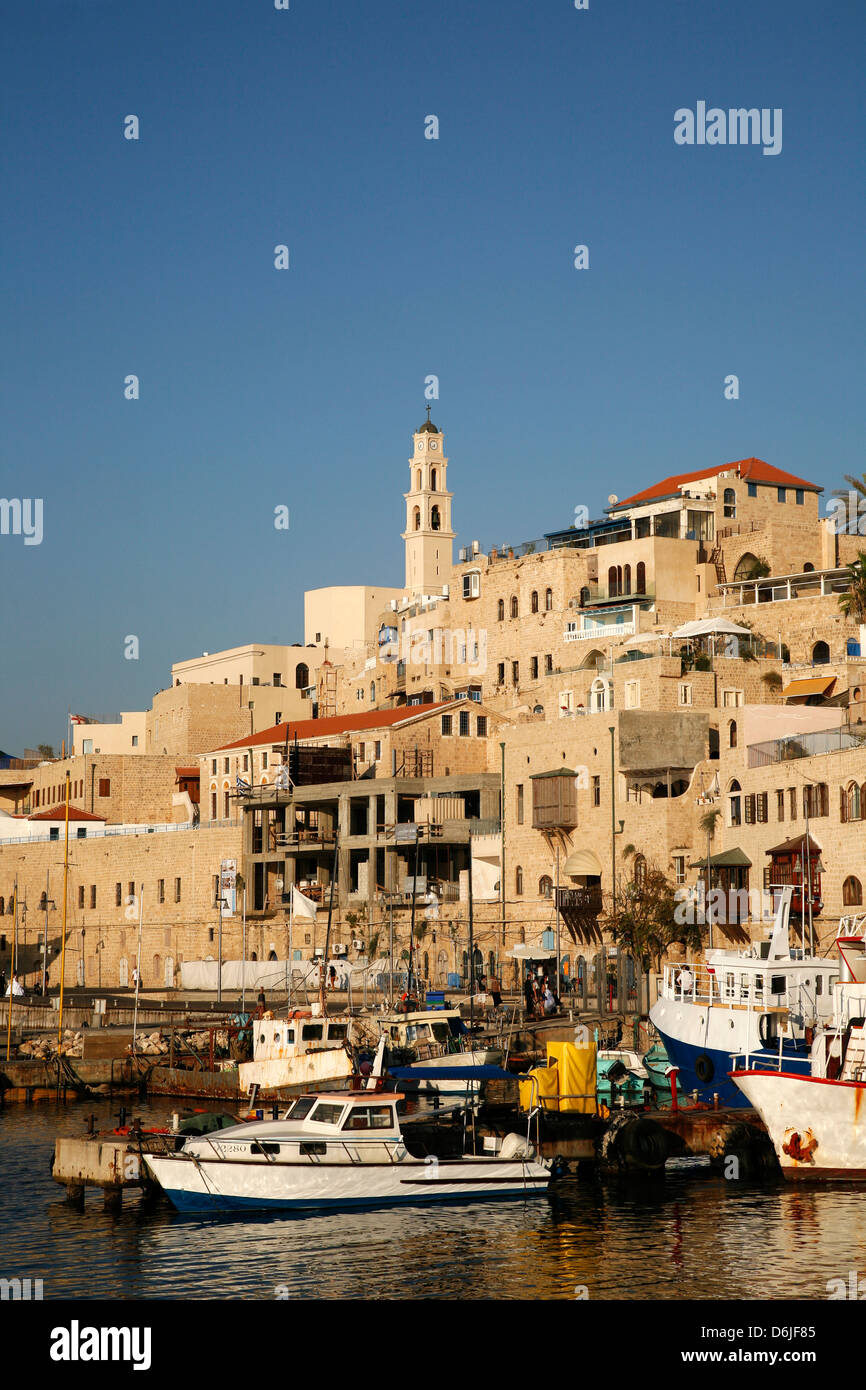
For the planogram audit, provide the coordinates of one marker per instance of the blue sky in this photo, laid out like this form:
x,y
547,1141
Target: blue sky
x,y
409,257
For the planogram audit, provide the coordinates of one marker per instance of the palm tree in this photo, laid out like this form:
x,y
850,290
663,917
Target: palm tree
x,y
853,601
709,820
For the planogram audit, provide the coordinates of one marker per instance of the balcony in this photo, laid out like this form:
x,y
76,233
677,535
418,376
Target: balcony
x,y
600,595
588,634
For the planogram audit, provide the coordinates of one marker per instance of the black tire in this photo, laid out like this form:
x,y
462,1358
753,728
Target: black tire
x,y
704,1069
643,1144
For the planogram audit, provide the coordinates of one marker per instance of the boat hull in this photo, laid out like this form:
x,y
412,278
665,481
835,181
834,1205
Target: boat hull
x,y
215,1187
308,1070
480,1057
817,1126
704,1047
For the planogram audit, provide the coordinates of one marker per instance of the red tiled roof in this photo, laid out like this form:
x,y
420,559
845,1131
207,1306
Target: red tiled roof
x,y
335,724
59,813
188,771
750,470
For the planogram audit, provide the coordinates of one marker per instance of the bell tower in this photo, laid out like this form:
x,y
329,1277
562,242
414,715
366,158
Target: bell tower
x,y
428,533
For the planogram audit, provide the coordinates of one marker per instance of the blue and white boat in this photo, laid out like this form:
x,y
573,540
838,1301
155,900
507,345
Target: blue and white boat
x,y
743,1009
332,1150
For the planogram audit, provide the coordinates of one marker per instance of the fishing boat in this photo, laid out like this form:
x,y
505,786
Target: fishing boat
x,y
432,1040
817,1120
762,1002
303,1051
332,1150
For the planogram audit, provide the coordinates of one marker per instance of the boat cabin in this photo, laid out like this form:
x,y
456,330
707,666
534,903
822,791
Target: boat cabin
x,y
434,1032
277,1039
361,1113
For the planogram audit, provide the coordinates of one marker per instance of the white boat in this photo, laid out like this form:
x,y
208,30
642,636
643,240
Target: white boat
x,y
759,1003
302,1051
335,1150
432,1039
817,1120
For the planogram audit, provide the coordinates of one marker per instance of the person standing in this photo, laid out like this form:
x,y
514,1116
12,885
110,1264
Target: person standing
x,y
495,990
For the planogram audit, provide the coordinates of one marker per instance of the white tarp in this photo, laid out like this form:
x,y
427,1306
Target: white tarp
x,y
260,974
711,627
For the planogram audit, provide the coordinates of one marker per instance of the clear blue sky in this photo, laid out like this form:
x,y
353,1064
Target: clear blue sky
x,y
408,257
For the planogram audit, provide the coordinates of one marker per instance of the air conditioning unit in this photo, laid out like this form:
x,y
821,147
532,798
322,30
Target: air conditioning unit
x,y
319,952
393,604
341,950
357,945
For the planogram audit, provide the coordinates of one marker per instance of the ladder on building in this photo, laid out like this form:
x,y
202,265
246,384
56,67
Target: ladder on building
x,y
717,559
327,690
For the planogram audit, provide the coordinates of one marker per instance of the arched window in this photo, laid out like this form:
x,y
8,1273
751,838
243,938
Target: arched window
x,y
500,610
612,586
548,600
302,675
433,480
732,734
157,969
852,892
639,871
584,596
729,501
626,580
372,691
734,803
545,886
518,881
416,517
533,602
853,801
640,582
746,566
820,654
418,481
808,568
434,518
2,906
514,606
600,695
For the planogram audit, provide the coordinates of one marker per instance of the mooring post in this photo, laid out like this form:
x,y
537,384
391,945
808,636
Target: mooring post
x,y
75,1195
112,1198
672,1077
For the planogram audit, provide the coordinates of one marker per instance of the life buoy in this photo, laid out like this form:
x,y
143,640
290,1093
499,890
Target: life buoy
x,y
704,1069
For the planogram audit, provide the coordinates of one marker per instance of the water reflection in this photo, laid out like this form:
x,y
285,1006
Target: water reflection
x,y
690,1234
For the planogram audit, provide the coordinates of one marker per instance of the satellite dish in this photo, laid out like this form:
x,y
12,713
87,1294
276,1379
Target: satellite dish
x,y
612,500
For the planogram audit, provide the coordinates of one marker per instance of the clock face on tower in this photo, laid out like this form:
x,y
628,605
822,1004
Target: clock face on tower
x,y
433,444
420,446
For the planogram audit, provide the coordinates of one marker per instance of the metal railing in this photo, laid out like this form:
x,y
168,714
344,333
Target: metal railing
x,y
780,750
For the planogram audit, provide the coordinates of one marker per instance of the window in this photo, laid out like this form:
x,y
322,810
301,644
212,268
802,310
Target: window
x,y
852,892
732,699
515,609
533,668
213,767
160,890
464,723
756,808
246,762
596,791
518,881
799,496
471,584
780,805
515,673
377,749
548,600
680,868
640,580
278,717
135,740
369,1117
302,676
533,601
177,890
730,502
417,518
518,791
781,494
225,764
104,786
734,805
851,804
227,810
816,800
81,895
685,694
545,886
548,664
752,489
264,762
500,673
130,889
481,726
213,805
118,895
93,895
500,610
632,694
81,833
792,803
732,733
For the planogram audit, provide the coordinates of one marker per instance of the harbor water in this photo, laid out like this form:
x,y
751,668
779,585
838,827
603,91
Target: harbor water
x,y
690,1234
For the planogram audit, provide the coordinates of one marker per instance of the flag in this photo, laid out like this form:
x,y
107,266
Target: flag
x,y
242,786
301,906
81,719
281,778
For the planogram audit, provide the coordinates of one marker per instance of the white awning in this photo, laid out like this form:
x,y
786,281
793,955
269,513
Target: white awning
x,y
522,951
711,627
582,861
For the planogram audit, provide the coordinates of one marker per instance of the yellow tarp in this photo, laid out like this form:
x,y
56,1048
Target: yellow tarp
x,y
575,1067
542,1088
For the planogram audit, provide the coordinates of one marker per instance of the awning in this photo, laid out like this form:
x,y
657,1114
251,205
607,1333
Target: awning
x,y
820,685
523,951
557,772
795,846
582,861
727,859
711,627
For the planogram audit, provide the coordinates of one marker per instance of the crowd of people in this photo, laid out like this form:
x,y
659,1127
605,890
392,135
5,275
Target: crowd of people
x,y
539,995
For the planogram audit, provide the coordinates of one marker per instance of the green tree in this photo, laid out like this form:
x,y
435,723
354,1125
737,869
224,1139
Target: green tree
x,y
853,602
